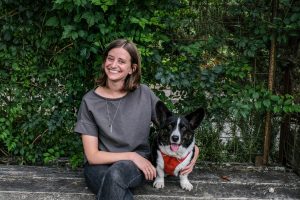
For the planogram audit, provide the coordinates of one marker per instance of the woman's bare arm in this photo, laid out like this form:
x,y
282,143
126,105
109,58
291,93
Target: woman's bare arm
x,y
189,168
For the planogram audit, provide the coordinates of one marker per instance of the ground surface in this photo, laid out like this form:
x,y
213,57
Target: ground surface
x,y
210,182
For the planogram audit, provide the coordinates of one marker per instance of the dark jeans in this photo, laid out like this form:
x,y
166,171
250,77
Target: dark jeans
x,y
113,182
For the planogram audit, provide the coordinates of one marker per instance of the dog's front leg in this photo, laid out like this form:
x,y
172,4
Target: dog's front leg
x,y
185,183
160,178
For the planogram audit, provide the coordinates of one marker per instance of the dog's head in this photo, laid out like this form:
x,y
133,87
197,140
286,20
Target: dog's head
x,y
176,133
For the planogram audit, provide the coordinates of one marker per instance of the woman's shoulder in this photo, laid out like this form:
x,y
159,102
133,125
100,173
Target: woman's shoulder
x,y
144,87
89,95
146,90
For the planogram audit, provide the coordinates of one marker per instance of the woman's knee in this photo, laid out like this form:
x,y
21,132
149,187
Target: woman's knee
x,y
122,173
94,175
116,173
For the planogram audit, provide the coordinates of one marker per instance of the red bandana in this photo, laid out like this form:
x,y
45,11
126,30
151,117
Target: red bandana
x,y
171,163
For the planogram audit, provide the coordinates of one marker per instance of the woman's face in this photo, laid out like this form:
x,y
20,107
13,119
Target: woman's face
x,y
118,64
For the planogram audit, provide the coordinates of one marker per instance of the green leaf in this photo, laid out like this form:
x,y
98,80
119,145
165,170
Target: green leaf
x,y
140,21
80,2
7,36
51,151
46,154
288,102
83,52
89,17
255,95
96,2
295,17
275,98
277,109
267,103
52,21
81,33
244,114
218,69
68,30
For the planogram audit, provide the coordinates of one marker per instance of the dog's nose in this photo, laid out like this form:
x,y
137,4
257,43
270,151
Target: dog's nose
x,y
175,138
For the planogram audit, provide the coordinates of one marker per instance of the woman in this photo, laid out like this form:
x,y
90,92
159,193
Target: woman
x,y
114,123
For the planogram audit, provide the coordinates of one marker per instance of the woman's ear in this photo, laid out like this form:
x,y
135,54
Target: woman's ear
x,y
133,68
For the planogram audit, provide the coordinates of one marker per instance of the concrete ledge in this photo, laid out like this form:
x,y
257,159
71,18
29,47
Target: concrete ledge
x,y
210,182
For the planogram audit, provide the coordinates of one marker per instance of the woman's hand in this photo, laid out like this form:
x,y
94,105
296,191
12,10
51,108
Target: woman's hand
x,y
189,168
144,165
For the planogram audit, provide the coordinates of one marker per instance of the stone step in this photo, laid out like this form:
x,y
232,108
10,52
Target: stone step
x,y
210,182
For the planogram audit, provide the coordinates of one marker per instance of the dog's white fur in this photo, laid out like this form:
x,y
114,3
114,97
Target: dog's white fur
x,y
180,154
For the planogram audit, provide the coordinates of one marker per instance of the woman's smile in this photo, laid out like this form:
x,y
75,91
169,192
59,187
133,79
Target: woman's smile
x,y
114,70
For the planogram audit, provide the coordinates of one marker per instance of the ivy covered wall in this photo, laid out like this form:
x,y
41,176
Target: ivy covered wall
x,y
213,54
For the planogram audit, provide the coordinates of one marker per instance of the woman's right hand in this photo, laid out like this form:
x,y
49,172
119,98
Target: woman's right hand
x,y
144,165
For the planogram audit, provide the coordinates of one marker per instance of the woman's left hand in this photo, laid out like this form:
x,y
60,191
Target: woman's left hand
x,y
189,168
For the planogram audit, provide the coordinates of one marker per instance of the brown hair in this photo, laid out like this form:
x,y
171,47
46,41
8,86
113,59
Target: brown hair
x,y
133,80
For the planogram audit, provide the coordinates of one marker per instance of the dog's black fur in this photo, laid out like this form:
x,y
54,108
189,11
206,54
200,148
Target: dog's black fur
x,y
175,140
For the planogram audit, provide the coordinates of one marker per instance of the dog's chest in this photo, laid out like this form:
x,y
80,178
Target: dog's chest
x,y
172,165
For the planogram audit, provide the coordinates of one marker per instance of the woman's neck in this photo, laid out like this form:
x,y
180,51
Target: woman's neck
x,y
112,90
115,86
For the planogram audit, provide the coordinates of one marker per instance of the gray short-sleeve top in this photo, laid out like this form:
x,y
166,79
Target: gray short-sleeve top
x,y
130,125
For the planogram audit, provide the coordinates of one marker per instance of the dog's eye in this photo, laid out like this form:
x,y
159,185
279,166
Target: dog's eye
x,y
183,128
170,127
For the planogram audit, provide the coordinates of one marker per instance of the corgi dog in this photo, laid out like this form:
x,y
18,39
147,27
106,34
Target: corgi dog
x,y
174,144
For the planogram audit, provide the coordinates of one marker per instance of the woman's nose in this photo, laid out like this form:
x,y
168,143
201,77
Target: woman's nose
x,y
114,64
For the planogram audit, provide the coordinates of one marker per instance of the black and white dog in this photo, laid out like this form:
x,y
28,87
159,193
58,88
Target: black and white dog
x,y
174,144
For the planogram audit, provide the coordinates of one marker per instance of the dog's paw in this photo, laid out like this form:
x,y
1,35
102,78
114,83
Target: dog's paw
x,y
159,184
186,185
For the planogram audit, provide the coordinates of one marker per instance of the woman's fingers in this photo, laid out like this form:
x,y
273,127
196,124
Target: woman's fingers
x,y
187,170
145,166
149,171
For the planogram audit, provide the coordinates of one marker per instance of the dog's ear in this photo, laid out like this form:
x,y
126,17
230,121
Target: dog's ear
x,y
162,113
195,118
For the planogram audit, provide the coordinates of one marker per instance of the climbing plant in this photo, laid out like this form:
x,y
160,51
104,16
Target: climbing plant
x,y
209,54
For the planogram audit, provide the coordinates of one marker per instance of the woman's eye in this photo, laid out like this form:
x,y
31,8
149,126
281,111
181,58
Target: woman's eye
x,y
121,62
110,59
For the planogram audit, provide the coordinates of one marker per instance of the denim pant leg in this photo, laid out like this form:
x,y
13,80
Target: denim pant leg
x,y
94,175
120,178
113,181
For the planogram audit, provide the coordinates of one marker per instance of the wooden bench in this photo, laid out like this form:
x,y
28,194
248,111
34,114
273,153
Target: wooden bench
x,y
210,182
